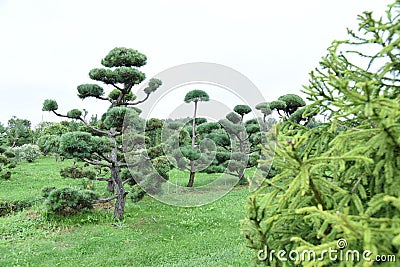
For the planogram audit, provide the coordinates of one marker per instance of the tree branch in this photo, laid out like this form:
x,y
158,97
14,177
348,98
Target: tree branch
x,y
138,102
96,162
104,200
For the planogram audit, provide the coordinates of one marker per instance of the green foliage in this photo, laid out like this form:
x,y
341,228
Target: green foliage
x,y
124,57
47,190
6,163
155,152
196,96
153,85
190,152
277,105
90,90
19,132
26,152
233,117
114,94
68,200
162,166
153,131
76,171
74,114
339,179
198,121
220,139
49,105
208,127
242,109
292,103
122,75
49,144
83,145
265,108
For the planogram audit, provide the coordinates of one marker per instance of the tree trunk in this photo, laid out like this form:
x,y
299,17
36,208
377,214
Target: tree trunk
x,y
117,182
110,185
194,125
121,196
192,173
242,179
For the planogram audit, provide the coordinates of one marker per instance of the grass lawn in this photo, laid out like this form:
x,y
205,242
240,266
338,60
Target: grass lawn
x,y
152,233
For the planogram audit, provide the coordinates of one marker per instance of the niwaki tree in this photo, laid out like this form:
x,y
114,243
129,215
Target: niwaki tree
x,y
339,180
240,134
102,145
194,96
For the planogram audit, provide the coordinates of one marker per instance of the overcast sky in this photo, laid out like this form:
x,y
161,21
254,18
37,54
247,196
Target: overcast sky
x,y
47,47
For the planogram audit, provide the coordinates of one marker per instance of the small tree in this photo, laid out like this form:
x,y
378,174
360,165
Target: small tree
x,y
194,96
102,146
19,132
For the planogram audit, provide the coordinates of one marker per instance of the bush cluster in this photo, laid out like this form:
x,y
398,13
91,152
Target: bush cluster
x,y
26,152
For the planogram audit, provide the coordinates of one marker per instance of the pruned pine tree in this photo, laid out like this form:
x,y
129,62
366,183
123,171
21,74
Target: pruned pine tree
x,y
194,96
340,179
240,134
102,145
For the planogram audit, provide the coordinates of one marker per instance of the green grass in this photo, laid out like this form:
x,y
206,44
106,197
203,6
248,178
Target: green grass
x,y
152,233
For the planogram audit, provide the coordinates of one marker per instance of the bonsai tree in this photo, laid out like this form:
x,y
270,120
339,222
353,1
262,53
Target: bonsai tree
x,y
103,145
194,96
339,180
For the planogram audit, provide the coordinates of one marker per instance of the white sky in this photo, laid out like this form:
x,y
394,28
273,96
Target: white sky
x,y
48,47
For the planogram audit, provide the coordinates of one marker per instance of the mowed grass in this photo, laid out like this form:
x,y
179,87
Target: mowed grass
x,y
151,234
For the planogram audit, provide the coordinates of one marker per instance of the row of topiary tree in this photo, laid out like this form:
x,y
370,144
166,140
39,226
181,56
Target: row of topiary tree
x,y
126,149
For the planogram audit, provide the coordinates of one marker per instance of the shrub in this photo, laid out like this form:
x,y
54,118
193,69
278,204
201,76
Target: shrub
x,y
64,201
26,152
76,171
7,162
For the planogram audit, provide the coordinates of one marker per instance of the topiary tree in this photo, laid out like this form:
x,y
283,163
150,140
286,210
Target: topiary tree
x,y
338,180
265,109
194,96
102,145
239,133
278,105
292,103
